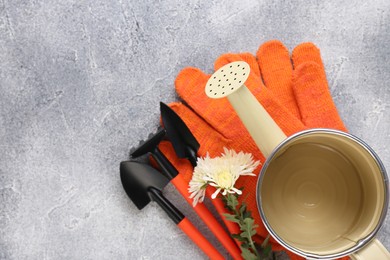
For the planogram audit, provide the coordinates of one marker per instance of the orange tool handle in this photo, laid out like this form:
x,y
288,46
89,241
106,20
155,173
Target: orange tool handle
x,y
193,233
208,219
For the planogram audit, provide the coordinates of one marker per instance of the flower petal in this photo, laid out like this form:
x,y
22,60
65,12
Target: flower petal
x,y
215,193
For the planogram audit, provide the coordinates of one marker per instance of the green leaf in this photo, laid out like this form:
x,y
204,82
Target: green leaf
x,y
247,254
246,196
265,242
235,235
242,208
224,200
267,251
247,228
241,215
239,238
245,245
231,201
231,217
247,214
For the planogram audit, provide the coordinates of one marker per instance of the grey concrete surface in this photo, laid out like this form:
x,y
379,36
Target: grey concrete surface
x,y
80,84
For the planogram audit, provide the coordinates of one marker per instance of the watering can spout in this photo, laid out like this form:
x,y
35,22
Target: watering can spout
x,y
228,82
262,128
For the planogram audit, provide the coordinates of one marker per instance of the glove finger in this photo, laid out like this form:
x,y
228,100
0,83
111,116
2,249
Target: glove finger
x,y
314,98
307,52
283,116
231,57
190,84
276,70
218,113
254,82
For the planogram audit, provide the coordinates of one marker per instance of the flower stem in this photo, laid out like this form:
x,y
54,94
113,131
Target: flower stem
x,y
251,243
254,248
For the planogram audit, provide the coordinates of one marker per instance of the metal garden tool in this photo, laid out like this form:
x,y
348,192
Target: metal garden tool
x,y
183,141
143,184
321,193
169,171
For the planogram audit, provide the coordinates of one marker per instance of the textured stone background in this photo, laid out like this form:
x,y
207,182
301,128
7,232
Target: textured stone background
x,y
80,83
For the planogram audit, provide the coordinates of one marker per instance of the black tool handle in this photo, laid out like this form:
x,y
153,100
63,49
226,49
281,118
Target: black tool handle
x,y
166,205
166,166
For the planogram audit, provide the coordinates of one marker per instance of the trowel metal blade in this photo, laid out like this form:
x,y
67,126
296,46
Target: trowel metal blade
x,y
178,133
137,178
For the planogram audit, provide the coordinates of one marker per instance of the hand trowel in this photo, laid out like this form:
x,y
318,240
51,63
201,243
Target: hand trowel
x,y
183,141
143,184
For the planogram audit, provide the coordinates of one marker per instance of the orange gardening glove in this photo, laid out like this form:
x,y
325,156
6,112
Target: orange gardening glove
x,y
293,90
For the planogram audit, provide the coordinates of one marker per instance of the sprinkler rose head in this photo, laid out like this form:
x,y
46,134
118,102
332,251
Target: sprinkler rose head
x,y
227,79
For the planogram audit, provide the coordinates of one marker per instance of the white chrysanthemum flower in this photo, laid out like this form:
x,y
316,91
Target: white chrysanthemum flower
x,y
220,172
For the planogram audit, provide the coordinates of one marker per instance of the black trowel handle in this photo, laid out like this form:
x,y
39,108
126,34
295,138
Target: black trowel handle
x,y
184,224
166,205
166,166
